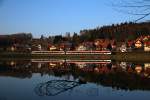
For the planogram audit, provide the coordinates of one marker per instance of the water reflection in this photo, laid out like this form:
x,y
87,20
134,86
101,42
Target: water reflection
x,y
118,75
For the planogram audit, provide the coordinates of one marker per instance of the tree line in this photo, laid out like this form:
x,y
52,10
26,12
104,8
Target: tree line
x,y
119,32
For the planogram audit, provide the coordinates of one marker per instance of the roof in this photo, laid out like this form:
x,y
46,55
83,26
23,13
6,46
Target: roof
x,y
147,43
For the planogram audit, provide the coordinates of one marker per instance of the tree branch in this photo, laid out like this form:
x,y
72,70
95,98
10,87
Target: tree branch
x,y
142,17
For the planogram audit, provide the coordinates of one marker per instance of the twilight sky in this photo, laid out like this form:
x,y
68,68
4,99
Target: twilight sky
x,y
51,17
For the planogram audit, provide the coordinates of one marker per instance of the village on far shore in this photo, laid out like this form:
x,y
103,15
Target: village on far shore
x,y
87,40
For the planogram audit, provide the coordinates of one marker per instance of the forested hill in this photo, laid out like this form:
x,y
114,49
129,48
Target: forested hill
x,y
120,32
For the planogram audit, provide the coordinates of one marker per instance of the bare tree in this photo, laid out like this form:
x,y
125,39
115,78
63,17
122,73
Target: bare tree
x,y
139,8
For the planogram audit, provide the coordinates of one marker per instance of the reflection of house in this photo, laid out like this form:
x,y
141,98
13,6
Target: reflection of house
x,y
51,65
130,70
39,65
102,70
81,65
138,68
12,63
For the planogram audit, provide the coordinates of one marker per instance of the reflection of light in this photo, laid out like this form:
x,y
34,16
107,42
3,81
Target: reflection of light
x,y
138,69
12,63
81,65
39,65
130,69
114,66
52,65
123,65
61,63
146,74
147,70
96,69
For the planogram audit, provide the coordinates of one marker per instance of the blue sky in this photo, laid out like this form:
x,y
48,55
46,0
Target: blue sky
x,y
51,17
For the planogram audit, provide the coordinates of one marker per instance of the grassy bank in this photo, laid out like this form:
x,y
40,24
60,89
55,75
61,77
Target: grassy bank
x,y
128,56
15,55
131,56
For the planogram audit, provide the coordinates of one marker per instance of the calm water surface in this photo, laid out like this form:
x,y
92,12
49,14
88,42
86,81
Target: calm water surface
x,y
77,80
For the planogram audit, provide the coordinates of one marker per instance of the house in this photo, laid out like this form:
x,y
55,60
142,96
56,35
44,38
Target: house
x,y
20,47
130,45
81,47
146,38
52,47
40,44
36,47
89,45
113,44
68,46
39,47
121,46
138,43
147,46
101,44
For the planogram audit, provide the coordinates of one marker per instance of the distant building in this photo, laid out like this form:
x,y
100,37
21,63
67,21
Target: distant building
x,y
65,46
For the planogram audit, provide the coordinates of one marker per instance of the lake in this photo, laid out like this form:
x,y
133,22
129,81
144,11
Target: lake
x,y
74,80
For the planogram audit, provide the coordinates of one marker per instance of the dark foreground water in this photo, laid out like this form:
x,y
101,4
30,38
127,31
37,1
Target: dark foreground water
x,y
74,80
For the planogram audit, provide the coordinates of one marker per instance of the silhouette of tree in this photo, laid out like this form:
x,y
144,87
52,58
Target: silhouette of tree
x,y
57,39
134,7
109,47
